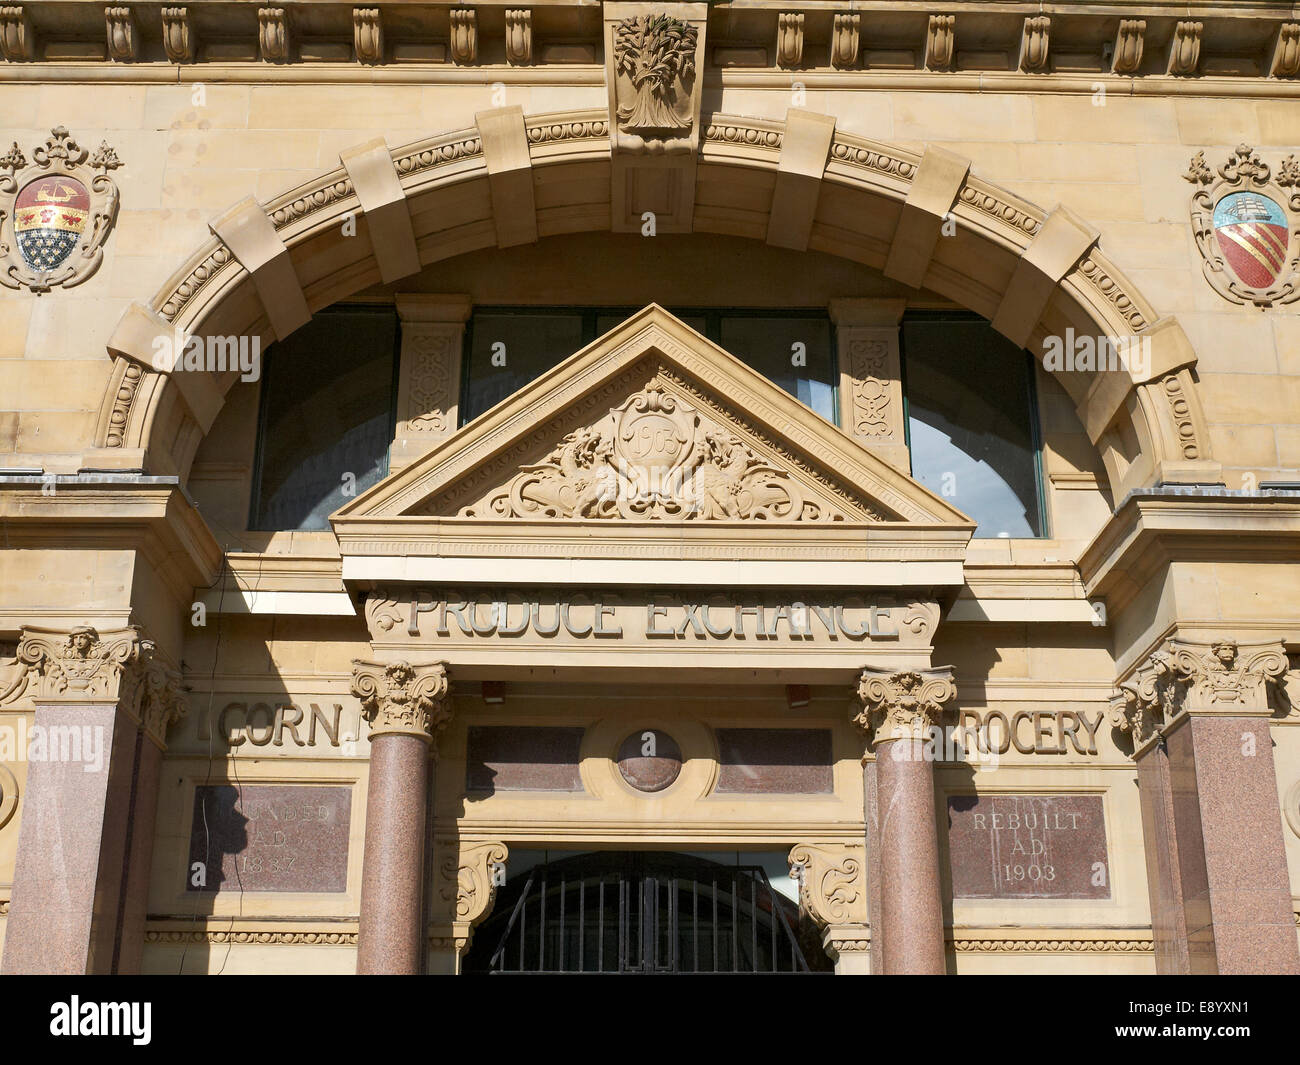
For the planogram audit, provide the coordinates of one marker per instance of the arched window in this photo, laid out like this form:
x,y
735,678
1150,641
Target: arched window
x,y
326,417
971,421
328,399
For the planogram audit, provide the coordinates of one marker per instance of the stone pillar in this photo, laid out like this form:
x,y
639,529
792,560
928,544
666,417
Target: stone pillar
x,y
406,707
85,846
428,380
899,709
1216,860
871,382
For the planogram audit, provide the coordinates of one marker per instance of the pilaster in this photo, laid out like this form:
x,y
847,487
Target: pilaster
x,y
103,705
1220,893
871,382
428,389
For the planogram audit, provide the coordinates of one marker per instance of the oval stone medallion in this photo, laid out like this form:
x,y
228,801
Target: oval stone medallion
x,y
649,760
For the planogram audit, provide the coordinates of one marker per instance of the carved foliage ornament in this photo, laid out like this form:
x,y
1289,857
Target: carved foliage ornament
x,y
1245,218
402,698
55,214
1220,677
904,704
656,458
656,54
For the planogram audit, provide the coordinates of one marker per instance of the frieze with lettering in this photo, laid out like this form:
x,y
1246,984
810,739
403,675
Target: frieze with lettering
x,y
1036,731
1028,847
573,617
271,726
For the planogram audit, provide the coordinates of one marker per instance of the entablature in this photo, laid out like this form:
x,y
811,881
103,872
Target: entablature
x,y
1161,45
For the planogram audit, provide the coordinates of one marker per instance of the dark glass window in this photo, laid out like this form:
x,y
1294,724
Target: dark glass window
x,y
326,418
509,348
970,420
506,351
794,353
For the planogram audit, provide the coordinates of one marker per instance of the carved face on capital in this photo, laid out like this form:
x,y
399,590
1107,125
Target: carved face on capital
x,y
82,639
399,674
1226,652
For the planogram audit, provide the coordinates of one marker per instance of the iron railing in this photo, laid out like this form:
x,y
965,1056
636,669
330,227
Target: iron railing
x,y
639,913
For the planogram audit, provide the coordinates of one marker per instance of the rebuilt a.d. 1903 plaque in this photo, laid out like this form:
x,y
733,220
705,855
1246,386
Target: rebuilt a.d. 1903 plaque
x,y
1028,847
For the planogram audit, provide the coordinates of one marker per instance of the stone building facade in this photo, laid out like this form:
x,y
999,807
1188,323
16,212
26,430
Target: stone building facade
x,y
650,487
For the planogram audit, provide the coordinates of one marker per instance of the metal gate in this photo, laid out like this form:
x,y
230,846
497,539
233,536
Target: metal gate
x,y
637,912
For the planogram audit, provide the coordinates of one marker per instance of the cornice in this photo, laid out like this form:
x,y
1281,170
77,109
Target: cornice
x,y
1154,527
151,515
1221,46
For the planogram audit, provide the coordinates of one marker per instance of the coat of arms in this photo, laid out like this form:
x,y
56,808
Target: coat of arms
x,y
56,213
1245,224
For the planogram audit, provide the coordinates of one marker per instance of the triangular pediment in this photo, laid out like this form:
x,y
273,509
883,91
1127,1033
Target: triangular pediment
x,y
651,424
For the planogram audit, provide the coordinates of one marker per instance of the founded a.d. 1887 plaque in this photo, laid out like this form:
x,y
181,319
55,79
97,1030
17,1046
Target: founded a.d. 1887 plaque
x,y
1028,847
270,837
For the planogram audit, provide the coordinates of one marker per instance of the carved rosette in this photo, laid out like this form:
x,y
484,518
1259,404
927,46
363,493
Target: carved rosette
x,y
84,666
1182,677
401,698
655,457
903,704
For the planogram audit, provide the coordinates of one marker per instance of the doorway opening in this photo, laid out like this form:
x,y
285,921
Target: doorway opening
x,y
643,912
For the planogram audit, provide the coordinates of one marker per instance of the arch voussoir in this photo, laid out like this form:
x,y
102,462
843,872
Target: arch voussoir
x,y
515,179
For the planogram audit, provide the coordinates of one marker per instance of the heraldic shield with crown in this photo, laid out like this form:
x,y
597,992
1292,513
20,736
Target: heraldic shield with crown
x,y
1244,218
55,214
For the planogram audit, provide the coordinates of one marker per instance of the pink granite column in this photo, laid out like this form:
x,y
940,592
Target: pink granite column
x,y
85,842
899,709
1219,885
406,706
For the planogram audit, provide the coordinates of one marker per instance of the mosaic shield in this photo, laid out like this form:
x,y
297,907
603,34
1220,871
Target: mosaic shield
x,y
50,216
1252,233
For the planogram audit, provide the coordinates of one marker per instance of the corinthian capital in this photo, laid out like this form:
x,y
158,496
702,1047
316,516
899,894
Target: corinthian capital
x,y
902,704
1222,677
80,665
84,665
402,698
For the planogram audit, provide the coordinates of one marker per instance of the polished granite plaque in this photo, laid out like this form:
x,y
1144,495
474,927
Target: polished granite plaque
x,y
775,761
269,837
1028,847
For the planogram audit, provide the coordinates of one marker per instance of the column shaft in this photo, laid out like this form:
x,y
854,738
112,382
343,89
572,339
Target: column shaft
x,y
392,871
911,917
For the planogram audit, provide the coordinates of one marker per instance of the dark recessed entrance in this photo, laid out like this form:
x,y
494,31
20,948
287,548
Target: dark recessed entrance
x,y
642,912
